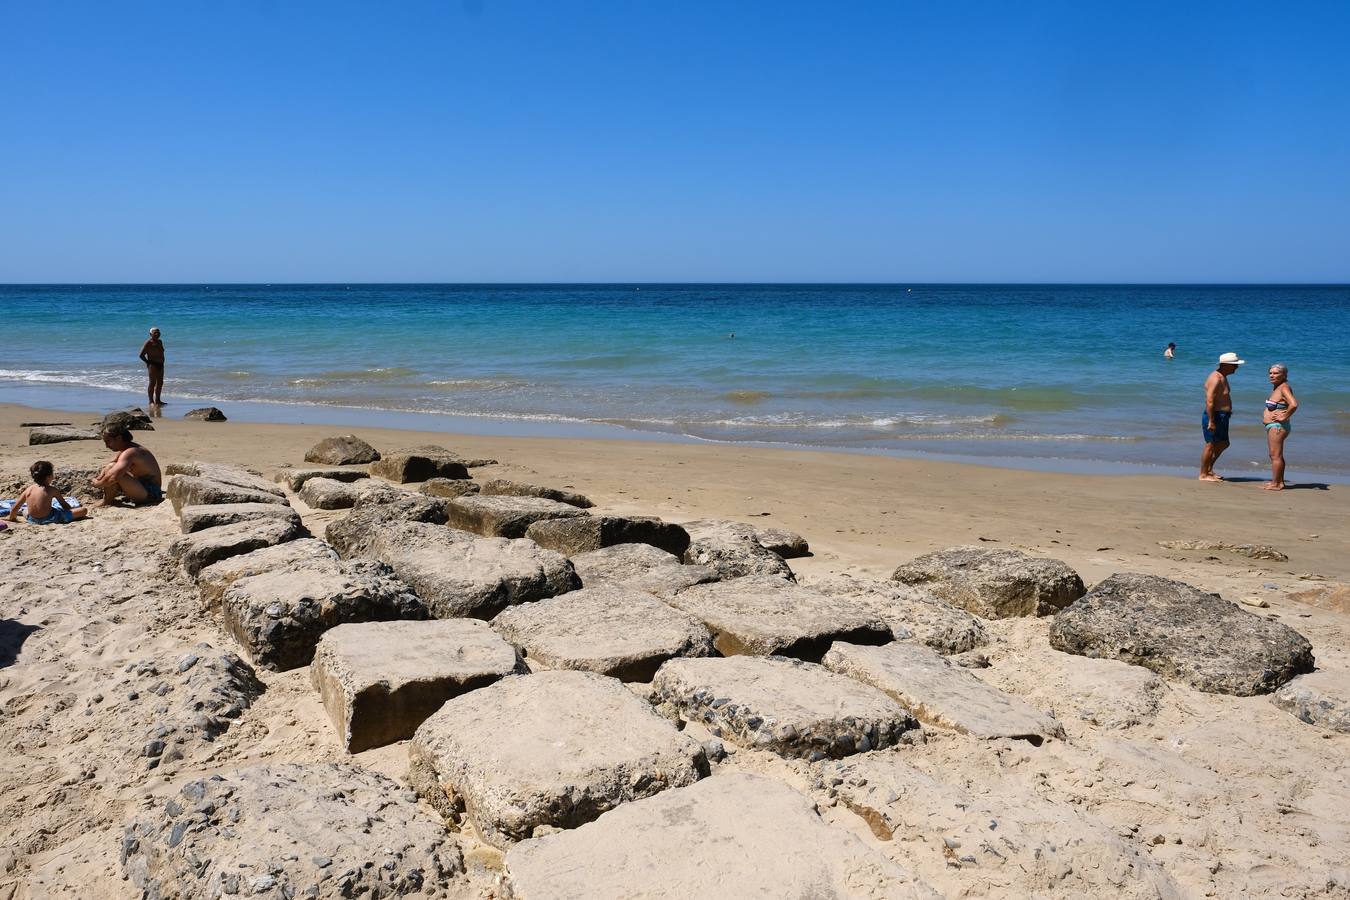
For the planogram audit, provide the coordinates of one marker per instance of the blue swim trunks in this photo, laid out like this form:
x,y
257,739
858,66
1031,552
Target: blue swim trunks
x,y
153,490
1216,431
57,516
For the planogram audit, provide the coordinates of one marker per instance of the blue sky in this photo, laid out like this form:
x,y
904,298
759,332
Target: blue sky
x,y
674,141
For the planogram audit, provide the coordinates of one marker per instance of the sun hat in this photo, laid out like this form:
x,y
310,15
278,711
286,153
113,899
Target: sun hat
x,y
1230,359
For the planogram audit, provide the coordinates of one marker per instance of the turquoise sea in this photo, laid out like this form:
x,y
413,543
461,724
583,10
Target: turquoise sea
x,y
1051,376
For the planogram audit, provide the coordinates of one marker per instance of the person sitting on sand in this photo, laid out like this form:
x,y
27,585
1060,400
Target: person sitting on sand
x,y
133,472
1280,408
1218,410
152,354
46,506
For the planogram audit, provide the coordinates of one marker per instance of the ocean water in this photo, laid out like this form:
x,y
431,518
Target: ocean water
x,y
1058,376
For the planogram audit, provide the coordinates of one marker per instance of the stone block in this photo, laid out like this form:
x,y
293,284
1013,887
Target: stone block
x,y
56,434
295,478
342,450
505,488
449,487
640,566
300,553
503,516
582,534
327,493
205,414
419,464
1320,698
191,490
784,543
732,550
196,551
930,621
353,534
196,518
994,583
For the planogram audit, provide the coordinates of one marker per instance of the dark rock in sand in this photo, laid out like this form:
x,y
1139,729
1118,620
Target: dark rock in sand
x,y
343,450
583,534
1182,633
994,583
133,418
352,535
56,434
502,487
205,414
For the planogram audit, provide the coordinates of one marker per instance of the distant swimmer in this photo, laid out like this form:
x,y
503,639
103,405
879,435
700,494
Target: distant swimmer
x,y
1218,410
732,336
1170,352
1280,408
152,354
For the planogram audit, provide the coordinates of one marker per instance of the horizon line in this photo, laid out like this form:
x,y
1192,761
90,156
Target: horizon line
x,y
1329,284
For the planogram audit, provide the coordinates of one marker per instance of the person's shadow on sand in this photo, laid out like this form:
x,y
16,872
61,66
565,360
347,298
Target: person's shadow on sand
x,y
12,636
1288,485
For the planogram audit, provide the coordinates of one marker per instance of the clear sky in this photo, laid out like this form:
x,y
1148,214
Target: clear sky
x,y
494,140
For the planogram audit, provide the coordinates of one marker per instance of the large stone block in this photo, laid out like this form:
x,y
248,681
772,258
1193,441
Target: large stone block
x,y
985,840
419,464
553,749
56,434
787,544
939,693
995,584
503,487
449,487
1319,698
504,516
380,680
196,518
295,478
191,490
734,835
929,620
731,549
327,493
279,616
792,708
621,632
582,534
767,616
300,553
1182,633
319,830
223,473
196,551
353,534
342,450
459,574
639,566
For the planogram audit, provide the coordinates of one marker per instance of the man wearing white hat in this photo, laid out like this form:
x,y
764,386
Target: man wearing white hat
x,y
1218,410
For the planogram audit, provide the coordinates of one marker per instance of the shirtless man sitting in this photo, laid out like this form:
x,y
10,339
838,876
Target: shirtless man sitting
x,y
133,473
1218,410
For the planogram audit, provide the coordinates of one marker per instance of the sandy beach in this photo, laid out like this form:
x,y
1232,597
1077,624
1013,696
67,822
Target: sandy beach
x,y
1218,795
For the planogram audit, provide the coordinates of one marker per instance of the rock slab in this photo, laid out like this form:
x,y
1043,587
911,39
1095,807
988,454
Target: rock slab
x,y
380,680
290,831
419,464
732,550
295,478
930,621
582,534
621,632
504,516
784,543
301,553
342,450
733,835
994,583
503,487
196,551
449,487
939,693
1320,698
56,434
639,566
789,707
1183,634
196,518
192,490
553,749
767,616
353,534
205,414
329,493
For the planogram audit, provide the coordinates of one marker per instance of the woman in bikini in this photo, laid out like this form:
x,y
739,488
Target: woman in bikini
x,y
1280,408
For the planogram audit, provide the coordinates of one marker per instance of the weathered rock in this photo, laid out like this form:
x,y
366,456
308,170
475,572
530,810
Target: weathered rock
x,y
449,487
1319,698
1182,633
733,835
504,516
942,694
930,621
639,566
326,493
205,414
380,680
1253,551
1001,843
994,583
321,830
41,424
616,631
505,488
553,749
196,518
133,418
278,616
56,434
343,450
784,543
789,707
766,616
1107,693
731,550
458,574
302,553
295,478
196,551
582,534
352,535
225,474
419,464
189,490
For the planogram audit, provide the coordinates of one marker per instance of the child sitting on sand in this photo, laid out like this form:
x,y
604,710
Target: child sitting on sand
x,y
46,506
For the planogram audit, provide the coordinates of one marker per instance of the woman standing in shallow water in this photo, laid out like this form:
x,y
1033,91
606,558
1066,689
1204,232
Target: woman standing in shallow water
x,y
1280,409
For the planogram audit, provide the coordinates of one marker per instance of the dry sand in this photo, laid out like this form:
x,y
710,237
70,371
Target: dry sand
x,y
1232,796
